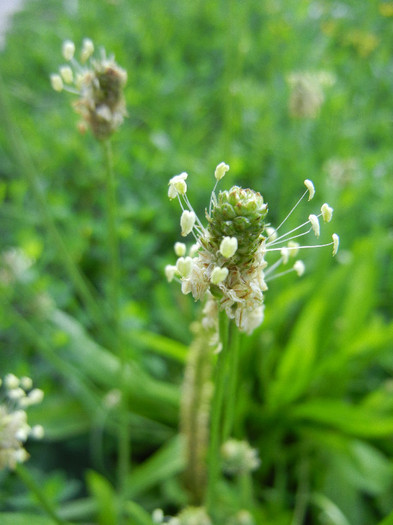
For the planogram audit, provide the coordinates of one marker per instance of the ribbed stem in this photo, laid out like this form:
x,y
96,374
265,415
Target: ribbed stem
x,y
112,237
123,436
233,371
195,412
216,425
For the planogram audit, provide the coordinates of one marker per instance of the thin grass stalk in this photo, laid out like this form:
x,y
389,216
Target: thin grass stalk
x,y
112,237
27,169
35,488
88,392
124,436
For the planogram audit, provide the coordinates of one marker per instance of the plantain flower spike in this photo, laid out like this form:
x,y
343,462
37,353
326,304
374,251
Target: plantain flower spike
x,y
229,260
99,85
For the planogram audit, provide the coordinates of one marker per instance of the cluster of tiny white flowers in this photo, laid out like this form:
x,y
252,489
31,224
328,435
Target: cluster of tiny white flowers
x,y
239,457
14,265
214,275
17,395
99,85
188,516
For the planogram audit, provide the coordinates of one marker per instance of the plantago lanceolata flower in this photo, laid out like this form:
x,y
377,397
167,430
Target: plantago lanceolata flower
x,y
229,258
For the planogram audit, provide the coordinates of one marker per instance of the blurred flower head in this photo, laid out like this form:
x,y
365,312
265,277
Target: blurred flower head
x,y
238,457
14,265
17,394
307,93
98,83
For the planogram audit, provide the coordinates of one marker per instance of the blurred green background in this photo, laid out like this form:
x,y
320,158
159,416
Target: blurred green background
x,y
207,82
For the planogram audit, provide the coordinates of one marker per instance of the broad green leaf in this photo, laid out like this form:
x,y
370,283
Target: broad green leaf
x,y
161,345
61,417
147,396
166,462
295,367
330,509
388,520
351,419
16,518
105,496
372,339
138,516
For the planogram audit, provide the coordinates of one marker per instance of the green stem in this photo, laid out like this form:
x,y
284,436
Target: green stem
x,y
27,169
112,238
124,437
35,488
213,456
303,492
230,404
244,482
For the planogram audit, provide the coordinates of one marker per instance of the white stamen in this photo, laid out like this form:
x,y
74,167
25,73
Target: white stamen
x,y
221,169
285,255
66,74
180,249
310,187
299,267
184,265
336,242
218,275
87,49
327,212
170,272
68,50
228,247
314,224
56,82
187,222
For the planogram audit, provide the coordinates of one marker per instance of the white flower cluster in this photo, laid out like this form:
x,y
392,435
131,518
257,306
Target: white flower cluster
x,y
238,457
227,261
99,84
17,396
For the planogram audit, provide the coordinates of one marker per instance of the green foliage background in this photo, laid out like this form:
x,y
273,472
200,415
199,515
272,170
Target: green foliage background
x,y
206,83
